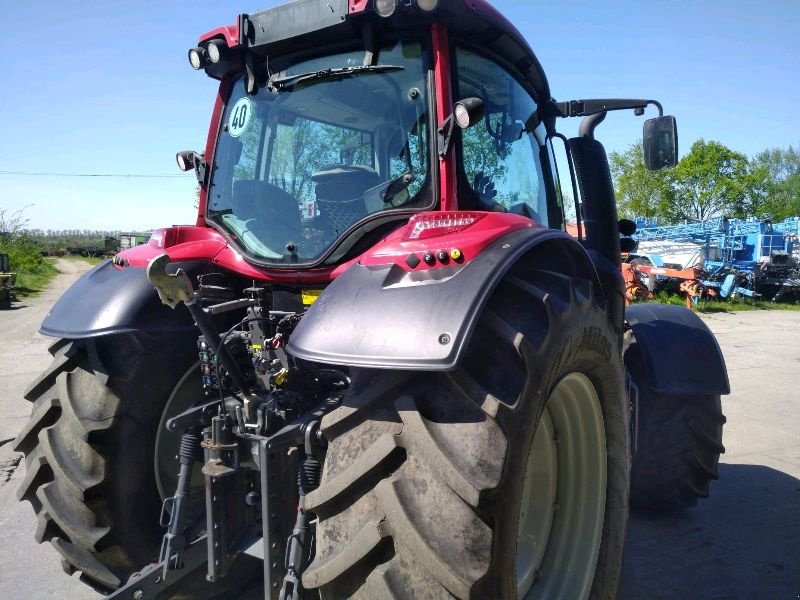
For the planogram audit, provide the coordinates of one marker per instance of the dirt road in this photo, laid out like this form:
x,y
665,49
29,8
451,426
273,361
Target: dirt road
x,y
742,543
27,570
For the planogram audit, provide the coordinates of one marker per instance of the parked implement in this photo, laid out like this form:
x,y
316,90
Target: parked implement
x,y
377,361
752,258
8,281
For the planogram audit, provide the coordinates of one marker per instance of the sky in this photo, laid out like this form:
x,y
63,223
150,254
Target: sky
x,y
105,87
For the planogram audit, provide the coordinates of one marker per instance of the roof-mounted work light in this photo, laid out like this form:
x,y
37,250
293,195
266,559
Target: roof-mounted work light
x,y
197,58
385,8
215,50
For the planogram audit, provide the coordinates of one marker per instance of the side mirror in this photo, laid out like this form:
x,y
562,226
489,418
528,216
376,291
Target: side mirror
x,y
660,141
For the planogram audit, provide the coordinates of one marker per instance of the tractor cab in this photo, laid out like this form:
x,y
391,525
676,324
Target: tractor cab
x,y
334,127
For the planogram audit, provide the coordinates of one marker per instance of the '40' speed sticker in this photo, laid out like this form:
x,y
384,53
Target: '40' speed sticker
x,y
239,117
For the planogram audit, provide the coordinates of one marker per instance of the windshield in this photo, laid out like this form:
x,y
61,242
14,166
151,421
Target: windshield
x,y
324,145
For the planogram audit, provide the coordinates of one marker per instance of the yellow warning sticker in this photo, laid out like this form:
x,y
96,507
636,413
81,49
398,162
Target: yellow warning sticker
x,y
310,296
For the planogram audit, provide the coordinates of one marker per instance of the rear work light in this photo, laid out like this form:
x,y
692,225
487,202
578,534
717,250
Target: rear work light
x,y
434,224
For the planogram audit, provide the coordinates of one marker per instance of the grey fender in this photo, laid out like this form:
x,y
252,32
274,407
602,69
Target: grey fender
x,y
681,355
386,317
108,300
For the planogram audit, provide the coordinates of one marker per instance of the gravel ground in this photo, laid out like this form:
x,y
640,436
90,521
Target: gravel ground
x,y
742,543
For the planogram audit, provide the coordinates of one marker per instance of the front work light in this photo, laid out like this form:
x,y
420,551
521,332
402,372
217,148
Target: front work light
x,y
197,58
385,8
427,5
186,160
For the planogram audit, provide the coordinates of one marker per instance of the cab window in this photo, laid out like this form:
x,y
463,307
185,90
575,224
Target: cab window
x,y
500,156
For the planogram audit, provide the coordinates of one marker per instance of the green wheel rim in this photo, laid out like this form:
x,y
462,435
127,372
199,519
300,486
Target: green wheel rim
x,y
166,464
564,495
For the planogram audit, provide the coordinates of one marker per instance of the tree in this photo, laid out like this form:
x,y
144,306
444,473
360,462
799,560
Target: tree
x,y
711,181
12,223
640,193
778,171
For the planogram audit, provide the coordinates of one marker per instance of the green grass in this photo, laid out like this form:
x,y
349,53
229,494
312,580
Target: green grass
x,y
715,305
30,283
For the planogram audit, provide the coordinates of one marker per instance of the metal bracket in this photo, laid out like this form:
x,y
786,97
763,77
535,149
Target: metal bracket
x,y
149,583
445,135
195,416
172,289
270,523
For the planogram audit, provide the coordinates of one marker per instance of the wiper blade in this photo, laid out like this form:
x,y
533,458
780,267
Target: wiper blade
x,y
289,81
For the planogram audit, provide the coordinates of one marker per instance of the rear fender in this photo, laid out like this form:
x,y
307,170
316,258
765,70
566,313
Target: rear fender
x,y
680,354
383,316
109,300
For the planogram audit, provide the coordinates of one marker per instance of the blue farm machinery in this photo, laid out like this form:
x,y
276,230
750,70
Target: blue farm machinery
x,y
721,257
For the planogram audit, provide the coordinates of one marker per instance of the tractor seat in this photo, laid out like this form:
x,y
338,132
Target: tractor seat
x,y
271,214
340,194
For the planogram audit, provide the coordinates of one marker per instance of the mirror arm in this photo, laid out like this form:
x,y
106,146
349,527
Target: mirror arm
x,y
585,108
589,123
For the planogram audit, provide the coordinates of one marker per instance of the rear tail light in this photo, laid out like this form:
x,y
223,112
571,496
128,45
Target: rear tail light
x,y
434,224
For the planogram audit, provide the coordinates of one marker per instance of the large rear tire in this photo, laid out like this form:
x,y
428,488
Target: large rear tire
x,y
89,450
505,478
679,443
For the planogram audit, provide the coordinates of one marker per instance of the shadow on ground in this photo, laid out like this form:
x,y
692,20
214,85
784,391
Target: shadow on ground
x,y
742,543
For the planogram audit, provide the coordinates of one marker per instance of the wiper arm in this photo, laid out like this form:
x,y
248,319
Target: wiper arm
x,y
287,82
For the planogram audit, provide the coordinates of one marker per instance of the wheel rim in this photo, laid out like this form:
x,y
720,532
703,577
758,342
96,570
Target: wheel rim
x,y
564,495
186,393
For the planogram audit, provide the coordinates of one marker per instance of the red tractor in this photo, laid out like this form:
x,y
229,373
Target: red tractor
x,y
376,362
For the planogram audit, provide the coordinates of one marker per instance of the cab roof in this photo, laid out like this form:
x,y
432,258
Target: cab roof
x,y
301,24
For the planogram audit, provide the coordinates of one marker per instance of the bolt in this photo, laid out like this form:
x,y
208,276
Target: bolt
x,y
444,339
138,595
